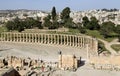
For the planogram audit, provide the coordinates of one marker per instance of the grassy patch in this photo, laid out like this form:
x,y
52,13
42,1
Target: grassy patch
x,y
73,31
95,33
2,29
102,48
116,47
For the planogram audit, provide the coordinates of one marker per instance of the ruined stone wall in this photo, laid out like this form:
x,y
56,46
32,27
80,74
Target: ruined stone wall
x,y
67,62
1,63
15,62
112,62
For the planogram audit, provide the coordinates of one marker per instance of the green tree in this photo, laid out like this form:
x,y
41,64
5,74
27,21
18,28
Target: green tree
x,y
47,21
55,24
117,30
119,37
20,25
38,24
93,24
16,23
65,17
107,28
53,13
80,27
85,21
65,14
69,23
10,25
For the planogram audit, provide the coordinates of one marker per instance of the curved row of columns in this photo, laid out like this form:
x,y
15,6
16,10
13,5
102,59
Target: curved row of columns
x,y
59,39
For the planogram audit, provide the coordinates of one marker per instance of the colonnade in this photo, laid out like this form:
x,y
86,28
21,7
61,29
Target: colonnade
x,y
57,39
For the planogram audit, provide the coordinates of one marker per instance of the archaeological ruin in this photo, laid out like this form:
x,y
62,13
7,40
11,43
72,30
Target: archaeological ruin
x,y
67,62
79,41
105,63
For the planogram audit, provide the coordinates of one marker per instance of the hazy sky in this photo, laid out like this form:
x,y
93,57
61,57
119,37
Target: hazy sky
x,y
46,5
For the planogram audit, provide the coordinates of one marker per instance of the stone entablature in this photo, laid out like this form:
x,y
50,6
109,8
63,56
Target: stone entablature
x,y
56,39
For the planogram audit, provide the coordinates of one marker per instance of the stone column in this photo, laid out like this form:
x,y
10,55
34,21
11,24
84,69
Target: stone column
x,y
1,36
10,36
32,37
41,38
45,38
34,40
57,39
48,39
7,37
64,39
14,37
95,46
73,41
38,38
23,37
17,37
26,37
54,39
83,42
20,37
60,61
70,40
61,39
78,44
29,37
4,36
67,40
80,41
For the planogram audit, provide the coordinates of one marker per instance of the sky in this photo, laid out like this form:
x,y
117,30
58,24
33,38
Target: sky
x,y
46,5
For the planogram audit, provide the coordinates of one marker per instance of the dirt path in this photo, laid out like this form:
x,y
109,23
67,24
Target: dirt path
x,y
108,45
